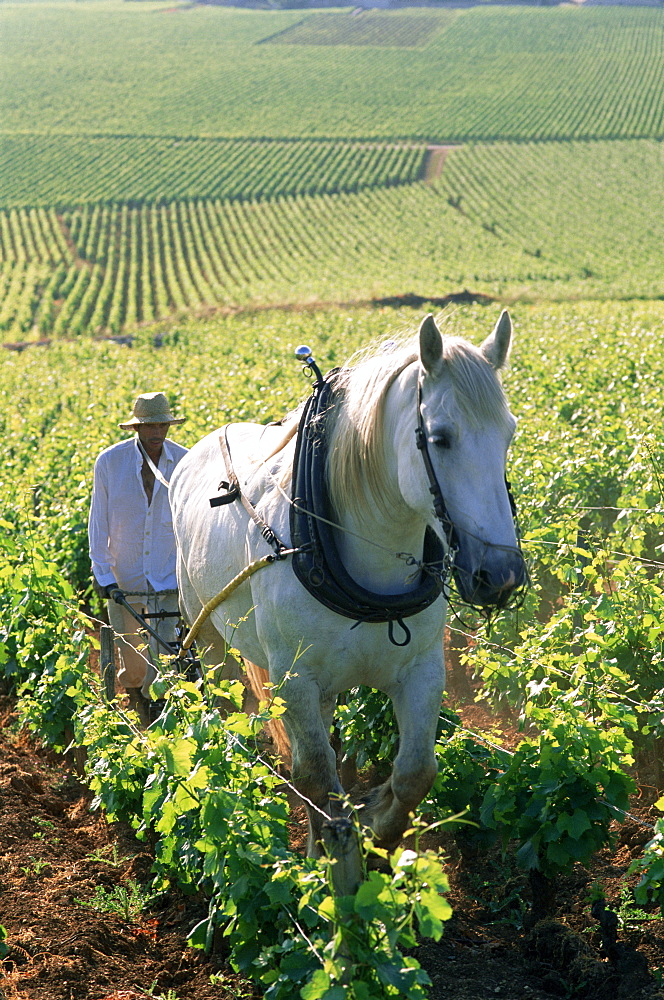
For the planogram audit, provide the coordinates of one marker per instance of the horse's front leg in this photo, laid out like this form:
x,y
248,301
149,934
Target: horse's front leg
x,y
307,720
417,701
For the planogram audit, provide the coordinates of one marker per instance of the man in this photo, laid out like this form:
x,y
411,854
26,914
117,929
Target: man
x,y
132,546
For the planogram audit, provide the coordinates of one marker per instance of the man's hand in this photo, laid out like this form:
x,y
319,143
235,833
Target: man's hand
x,y
103,592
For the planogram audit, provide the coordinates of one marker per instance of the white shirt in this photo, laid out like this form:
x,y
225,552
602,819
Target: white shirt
x,y
131,542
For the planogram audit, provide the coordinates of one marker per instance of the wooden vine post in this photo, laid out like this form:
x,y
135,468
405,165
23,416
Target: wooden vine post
x,y
107,662
341,846
343,850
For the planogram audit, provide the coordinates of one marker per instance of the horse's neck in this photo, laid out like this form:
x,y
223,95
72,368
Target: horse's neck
x,y
369,543
369,551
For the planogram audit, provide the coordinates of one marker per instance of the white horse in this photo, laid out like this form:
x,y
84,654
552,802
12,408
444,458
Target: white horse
x,y
382,502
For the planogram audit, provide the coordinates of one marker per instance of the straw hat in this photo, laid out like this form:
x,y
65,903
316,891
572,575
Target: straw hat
x,y
151,408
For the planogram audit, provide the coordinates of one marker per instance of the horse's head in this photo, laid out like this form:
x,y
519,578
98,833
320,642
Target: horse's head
x,y
466,428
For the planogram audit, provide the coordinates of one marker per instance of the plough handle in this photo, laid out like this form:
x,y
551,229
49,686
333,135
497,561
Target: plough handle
x,y
118,596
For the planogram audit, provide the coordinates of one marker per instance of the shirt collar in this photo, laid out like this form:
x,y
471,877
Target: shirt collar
x,y
166,452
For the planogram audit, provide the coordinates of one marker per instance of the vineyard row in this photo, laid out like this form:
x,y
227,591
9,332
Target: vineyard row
x,y
488,73
366,28
124,265
498,217
609,220
70,170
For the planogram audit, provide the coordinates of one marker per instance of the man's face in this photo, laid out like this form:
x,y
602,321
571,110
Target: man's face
x,y
152,437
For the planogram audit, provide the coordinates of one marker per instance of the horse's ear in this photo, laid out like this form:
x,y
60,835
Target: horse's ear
x,y
431,346
496,347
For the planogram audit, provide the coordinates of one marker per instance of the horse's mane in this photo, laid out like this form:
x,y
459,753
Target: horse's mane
x,y
354,425
355,461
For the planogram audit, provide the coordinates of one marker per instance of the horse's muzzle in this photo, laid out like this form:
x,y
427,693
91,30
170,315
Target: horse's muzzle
x,y
491,586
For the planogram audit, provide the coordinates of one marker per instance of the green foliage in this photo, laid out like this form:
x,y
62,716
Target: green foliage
x,y
122,264
117,774
367,727
362,958
555,795
586,465
467,769
650,888
217,818
109,855
603,649
200,196
364,28
127,900
482,74
71,170
152,262
558,796
35,867
43,643
582,662
516,190
630,916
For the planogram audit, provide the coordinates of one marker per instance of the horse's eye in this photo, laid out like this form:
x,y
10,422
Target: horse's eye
x,y
441,439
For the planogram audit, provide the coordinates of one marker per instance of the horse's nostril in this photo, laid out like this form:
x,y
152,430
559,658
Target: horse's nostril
x,y
486,583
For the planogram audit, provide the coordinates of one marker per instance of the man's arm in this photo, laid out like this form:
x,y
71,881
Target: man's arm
x,y
98,532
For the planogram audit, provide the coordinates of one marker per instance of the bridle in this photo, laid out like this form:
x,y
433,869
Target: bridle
x,y
442,513
439,505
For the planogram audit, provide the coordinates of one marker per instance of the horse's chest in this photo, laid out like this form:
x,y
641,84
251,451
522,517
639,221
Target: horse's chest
x,y
343,653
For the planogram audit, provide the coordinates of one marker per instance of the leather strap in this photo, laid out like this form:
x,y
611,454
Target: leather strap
x,y
439,505
153,468
235,491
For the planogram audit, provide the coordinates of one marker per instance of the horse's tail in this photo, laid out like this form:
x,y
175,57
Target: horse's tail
x,y
258,679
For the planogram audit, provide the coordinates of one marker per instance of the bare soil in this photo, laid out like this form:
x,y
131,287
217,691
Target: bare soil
x,y
434,161
54,853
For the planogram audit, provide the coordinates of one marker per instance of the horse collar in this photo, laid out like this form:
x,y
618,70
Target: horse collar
x,y
316,560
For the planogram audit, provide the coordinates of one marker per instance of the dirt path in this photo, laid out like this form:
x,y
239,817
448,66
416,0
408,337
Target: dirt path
x,y
56,857
434,161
